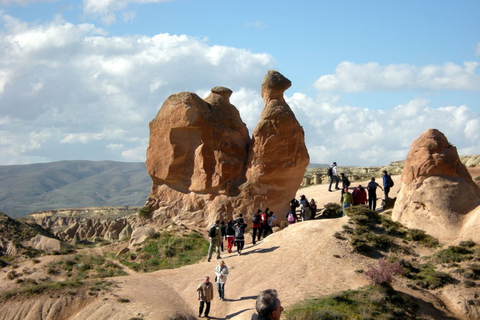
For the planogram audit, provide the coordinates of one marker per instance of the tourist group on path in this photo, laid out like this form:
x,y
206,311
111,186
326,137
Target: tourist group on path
x,y
359,194
268,306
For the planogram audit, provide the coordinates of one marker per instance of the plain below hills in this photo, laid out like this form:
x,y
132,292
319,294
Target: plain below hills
x,y
72,184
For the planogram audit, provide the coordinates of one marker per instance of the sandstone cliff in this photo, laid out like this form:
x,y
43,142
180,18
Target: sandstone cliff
x,y
438,194
204,166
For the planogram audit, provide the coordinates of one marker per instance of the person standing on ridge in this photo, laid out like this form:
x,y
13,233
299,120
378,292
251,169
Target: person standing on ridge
x,y
372,194
387,183
347,200
332,173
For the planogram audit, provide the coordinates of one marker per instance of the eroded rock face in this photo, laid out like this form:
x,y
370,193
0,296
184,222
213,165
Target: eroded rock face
x,y
204,166
438,194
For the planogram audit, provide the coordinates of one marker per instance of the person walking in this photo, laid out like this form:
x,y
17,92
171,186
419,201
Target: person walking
x,y
256,226
332,173
372,194
223,229
230,236
271,218
240,236
205,296
221,273
214,237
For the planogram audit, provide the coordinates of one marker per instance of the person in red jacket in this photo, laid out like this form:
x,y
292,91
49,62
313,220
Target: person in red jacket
x,y
257,225
359,195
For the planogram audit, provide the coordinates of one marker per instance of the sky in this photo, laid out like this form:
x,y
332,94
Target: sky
x,y
81,80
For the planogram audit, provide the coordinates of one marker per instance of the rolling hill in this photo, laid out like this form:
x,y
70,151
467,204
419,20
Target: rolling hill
x,y
68,184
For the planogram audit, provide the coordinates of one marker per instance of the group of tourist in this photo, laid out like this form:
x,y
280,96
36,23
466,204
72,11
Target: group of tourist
x,y
267,305
262,224
233,232
308,209
359,195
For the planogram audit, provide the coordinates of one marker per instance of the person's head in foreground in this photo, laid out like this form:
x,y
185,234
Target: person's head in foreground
x,y
268,305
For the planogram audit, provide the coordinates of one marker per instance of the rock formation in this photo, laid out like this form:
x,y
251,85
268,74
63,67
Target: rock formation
x,y
438,194
204,166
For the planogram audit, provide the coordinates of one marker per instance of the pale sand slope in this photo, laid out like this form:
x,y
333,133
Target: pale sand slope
x,y
301,261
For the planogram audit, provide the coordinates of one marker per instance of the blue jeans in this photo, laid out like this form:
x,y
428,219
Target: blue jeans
x,y
345,205
221,289
332,178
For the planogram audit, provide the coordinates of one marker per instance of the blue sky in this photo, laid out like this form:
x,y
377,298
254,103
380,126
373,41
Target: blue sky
x,y
81,80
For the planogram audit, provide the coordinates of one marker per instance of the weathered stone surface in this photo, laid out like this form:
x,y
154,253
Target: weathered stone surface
x,y
198,145
438,194
46,244
140,234
204,166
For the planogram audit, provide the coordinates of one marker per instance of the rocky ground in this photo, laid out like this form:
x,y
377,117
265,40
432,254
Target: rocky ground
x,y
304,260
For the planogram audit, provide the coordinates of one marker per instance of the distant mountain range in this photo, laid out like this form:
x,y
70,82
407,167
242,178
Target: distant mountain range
x,y
81,184
72,184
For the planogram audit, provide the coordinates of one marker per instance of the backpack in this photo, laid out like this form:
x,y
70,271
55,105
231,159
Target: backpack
x,y
294,203
212,232
347,182
290,217
330,172
390,182
239,232
255,219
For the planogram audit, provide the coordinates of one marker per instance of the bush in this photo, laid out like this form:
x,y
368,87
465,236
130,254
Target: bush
x,y
422,237
384,272
332,210
144,213
467,243
454,254
428,278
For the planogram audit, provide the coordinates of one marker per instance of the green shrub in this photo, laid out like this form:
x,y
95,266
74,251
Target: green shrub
x,y
428,278
422,237
332,210
168,251
145,212
467,243
372,302
453,254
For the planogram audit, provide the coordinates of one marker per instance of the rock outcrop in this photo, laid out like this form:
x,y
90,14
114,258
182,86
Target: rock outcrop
x,y
438,194
204,166
80,224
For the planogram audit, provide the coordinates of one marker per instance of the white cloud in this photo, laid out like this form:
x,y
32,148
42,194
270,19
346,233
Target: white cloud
x,y
350,77
355,136
106,9
87,88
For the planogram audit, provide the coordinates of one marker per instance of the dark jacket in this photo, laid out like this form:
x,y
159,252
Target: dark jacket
x,y
257,317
